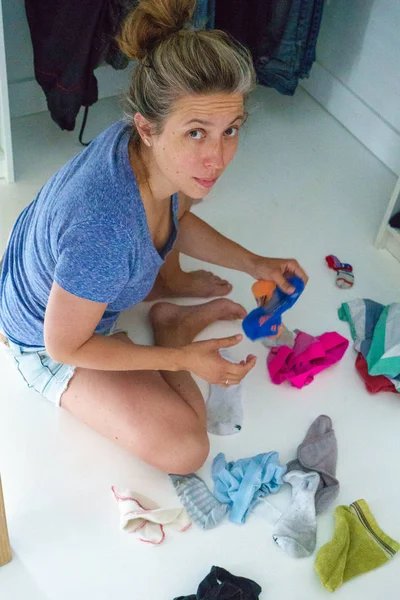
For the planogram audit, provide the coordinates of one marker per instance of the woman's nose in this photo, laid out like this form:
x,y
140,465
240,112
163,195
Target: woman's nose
x,y
215,156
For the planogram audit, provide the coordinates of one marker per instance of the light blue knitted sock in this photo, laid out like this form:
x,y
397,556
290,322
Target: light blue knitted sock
x,y
202,506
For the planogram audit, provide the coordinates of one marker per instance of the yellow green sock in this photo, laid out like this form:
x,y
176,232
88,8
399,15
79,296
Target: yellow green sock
x,y
358,545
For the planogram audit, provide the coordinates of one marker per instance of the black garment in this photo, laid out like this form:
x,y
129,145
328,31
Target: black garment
x,y
222,585
395,221
70,39
258,24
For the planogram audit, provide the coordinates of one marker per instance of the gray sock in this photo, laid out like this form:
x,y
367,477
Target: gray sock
x,y
287,338
296,530
202,506
318,452
224,407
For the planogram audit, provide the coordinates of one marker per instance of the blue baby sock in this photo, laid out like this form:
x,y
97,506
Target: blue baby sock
x,y
202,506
265,321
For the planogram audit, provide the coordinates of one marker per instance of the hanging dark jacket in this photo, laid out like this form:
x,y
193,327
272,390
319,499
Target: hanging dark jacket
x,y
70,39
257,24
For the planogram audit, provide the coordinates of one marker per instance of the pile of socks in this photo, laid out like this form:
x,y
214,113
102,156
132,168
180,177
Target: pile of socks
x,y
241,488
344,271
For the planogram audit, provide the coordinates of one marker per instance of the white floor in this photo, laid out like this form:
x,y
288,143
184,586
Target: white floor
x,y
300,186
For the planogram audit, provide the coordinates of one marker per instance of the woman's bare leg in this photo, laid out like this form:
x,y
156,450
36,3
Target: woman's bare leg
x,y
159,417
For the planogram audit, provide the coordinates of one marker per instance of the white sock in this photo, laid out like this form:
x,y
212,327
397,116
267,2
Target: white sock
x,y
296,530
224,407
148,524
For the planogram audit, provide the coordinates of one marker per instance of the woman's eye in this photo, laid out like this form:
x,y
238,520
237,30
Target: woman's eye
x,y
196,134
232,131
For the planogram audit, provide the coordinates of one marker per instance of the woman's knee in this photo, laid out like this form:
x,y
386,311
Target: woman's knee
x,y
187,454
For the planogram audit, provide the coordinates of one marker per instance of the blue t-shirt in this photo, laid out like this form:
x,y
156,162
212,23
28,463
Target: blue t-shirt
x,y
87,230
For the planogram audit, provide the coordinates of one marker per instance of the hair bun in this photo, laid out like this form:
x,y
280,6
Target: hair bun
x,y
151,22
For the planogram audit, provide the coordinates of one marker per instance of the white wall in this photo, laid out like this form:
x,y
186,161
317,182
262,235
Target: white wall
x,y
18,42
357,74
26,96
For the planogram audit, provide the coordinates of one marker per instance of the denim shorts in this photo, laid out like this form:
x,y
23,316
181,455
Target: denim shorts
x,y
39,371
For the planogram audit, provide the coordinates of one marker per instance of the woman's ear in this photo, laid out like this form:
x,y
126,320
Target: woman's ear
x,y
143,127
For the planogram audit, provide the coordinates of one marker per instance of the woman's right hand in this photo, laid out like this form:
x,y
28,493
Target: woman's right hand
x,y
203,359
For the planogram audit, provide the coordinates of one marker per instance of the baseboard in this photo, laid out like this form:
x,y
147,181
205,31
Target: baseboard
x,y
27,97
360,119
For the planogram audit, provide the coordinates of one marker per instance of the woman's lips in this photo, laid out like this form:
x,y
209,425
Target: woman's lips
x,y
207,183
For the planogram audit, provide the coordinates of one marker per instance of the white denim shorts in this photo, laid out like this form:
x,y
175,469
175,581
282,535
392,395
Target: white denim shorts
x,y
39,371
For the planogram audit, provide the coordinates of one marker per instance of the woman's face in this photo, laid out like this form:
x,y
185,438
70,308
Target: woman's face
x,y
198,141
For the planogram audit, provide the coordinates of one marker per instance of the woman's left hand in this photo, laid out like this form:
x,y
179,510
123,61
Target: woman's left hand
x,y
278,270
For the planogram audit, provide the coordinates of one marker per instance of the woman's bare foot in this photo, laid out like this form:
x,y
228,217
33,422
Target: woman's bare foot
x,y
202,284
195,284
178,325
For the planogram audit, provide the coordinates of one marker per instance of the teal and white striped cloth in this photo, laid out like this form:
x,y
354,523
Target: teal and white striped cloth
x,y
375,330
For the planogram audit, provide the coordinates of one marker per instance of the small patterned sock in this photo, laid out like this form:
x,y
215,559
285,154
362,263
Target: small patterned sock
x,y
334,263
224,407
344,279
296,530
202,506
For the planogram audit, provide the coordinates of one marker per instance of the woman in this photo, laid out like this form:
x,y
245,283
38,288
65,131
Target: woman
x,y
93,241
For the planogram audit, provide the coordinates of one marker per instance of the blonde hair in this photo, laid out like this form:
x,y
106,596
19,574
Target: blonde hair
x,y
173,60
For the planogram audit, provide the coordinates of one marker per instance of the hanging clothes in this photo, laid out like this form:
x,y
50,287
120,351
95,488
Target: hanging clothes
x,y
257,24
281,34
70,39
204,15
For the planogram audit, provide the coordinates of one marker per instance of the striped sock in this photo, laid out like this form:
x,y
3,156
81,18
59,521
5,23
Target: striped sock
x,y
334,263
358,546
202,506
344,279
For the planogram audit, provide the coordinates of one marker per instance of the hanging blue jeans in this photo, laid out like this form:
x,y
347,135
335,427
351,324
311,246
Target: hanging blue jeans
x,y
204,14
295,54
309,54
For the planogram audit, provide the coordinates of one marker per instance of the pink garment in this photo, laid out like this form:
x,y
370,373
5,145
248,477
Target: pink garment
x,y
309,356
